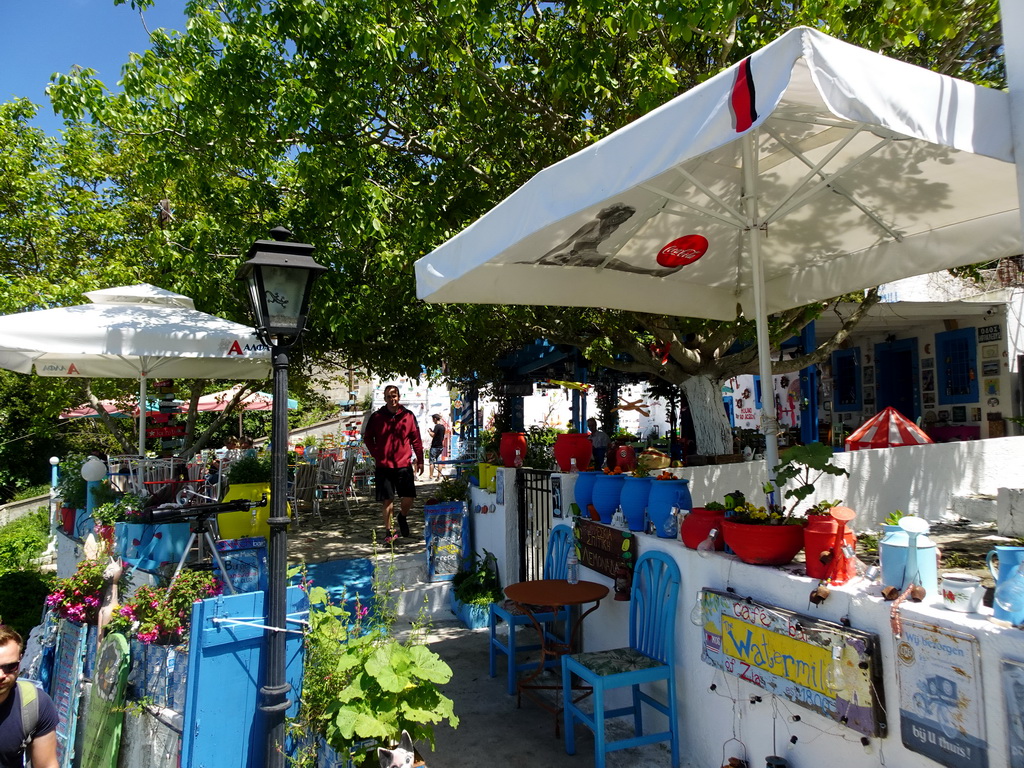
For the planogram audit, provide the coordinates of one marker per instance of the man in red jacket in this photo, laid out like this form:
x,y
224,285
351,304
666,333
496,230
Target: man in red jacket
x,y
392,436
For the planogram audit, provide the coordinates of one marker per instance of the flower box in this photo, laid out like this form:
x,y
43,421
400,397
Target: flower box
x,y
472,616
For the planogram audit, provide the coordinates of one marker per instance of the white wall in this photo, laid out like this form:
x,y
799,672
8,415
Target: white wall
x,y
918,479
708,720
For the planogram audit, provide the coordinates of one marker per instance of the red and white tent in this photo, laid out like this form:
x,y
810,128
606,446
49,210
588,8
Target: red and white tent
x,y
887,429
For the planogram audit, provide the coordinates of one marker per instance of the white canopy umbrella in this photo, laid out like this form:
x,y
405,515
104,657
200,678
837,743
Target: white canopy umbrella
x,y
810,169
136,331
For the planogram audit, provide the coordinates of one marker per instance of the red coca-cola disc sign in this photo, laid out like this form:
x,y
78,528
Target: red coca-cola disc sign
x,y
683,250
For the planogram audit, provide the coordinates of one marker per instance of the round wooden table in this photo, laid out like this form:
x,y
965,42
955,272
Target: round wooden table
x,y
551,595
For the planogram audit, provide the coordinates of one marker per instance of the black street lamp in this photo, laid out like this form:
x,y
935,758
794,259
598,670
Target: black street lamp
x,y
280,277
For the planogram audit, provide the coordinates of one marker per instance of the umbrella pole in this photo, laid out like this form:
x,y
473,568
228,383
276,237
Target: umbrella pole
x,y
769,417
143,405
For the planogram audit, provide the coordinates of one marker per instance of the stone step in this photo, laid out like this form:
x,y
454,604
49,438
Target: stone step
x,y
977,508
404,575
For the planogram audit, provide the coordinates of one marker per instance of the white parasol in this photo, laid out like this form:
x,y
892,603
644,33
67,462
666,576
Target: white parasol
x,y
137,331
810,169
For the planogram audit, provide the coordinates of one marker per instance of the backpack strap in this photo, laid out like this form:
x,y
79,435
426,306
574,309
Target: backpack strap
x,y
29,711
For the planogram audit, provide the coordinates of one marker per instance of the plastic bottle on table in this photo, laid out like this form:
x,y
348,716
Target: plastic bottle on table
x,y
572,567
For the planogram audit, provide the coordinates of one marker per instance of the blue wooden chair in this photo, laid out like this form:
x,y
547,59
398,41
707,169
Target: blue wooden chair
x,y
650,656
559,541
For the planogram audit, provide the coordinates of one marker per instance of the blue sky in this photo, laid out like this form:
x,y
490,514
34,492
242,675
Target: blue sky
x,y
41,37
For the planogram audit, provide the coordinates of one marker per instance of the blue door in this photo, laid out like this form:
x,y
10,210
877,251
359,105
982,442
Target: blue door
x,y
896,374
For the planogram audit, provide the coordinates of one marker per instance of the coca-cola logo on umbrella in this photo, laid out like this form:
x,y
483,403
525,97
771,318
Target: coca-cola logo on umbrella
x,y
682,251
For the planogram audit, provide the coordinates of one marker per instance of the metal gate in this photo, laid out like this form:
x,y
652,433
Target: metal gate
x,y
535,506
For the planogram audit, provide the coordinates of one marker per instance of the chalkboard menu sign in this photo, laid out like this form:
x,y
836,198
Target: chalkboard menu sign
x,y
67,674
447,531
602,548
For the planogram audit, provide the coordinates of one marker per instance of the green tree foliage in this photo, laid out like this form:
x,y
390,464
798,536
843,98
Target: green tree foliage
x,y
377,129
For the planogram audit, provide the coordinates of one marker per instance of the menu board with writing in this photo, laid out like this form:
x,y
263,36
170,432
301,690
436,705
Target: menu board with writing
x,y
602,548
67,674
447,531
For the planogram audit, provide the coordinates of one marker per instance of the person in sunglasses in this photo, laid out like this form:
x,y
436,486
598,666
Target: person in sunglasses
x,y
36,737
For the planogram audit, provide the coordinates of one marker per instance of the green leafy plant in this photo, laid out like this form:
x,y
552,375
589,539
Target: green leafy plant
x,y
126,509
79,596
451,489
363,686
71,486
804,465
22,596
162,615
477,583
23,540
643,466
249,469
893,518
30,492
540,443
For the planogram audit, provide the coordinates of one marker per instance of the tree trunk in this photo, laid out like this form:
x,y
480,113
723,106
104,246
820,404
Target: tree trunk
x,y
714,435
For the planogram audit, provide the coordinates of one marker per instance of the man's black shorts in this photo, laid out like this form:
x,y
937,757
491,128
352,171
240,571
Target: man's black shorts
x,y
391,482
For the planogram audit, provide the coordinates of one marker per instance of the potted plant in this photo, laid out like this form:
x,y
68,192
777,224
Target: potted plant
x,y
773,534
78,597
72,489
359,681
156,620
248,478
474,588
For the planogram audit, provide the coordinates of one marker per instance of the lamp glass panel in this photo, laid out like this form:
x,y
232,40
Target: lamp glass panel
x,y
284,288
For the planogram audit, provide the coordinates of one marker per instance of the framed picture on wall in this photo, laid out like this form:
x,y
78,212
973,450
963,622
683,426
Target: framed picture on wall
x,y
869,396
928,380
975,414
990,352
943,415
869,375
928,362
928,400
959,413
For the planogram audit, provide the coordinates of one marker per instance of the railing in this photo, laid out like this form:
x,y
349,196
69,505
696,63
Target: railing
x,y
535,506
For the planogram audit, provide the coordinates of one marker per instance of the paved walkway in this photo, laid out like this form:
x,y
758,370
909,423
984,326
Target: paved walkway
x,y
492,731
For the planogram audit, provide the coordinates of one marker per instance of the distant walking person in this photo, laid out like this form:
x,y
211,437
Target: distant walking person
x,y
437,435
28,718
392,437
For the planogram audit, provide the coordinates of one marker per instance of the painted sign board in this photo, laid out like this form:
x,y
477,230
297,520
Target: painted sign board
x,y
603,548
1012,674
105,713
246,562
67,691
447,530
556,496
941,714
820,665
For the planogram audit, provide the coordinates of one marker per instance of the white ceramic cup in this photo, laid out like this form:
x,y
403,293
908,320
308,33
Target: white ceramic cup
x,y
961,592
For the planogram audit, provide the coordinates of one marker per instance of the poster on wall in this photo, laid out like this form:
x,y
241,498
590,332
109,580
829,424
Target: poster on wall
x,y
556,496
1012,674
940,696
828,668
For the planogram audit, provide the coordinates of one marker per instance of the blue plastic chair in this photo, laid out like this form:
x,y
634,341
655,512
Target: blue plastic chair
x,y
650,656
559,541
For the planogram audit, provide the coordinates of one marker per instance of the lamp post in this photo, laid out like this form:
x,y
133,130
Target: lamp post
x,y
279,275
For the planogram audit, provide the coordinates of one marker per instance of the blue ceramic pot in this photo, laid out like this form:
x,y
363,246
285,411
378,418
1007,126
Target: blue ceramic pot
x,y
583,490
633,501
664,495
605,496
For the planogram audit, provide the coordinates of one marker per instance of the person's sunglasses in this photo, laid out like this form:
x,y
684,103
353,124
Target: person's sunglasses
x,y
11,668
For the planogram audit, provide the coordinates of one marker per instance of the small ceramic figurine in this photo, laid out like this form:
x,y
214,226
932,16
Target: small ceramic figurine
x,y
401,756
